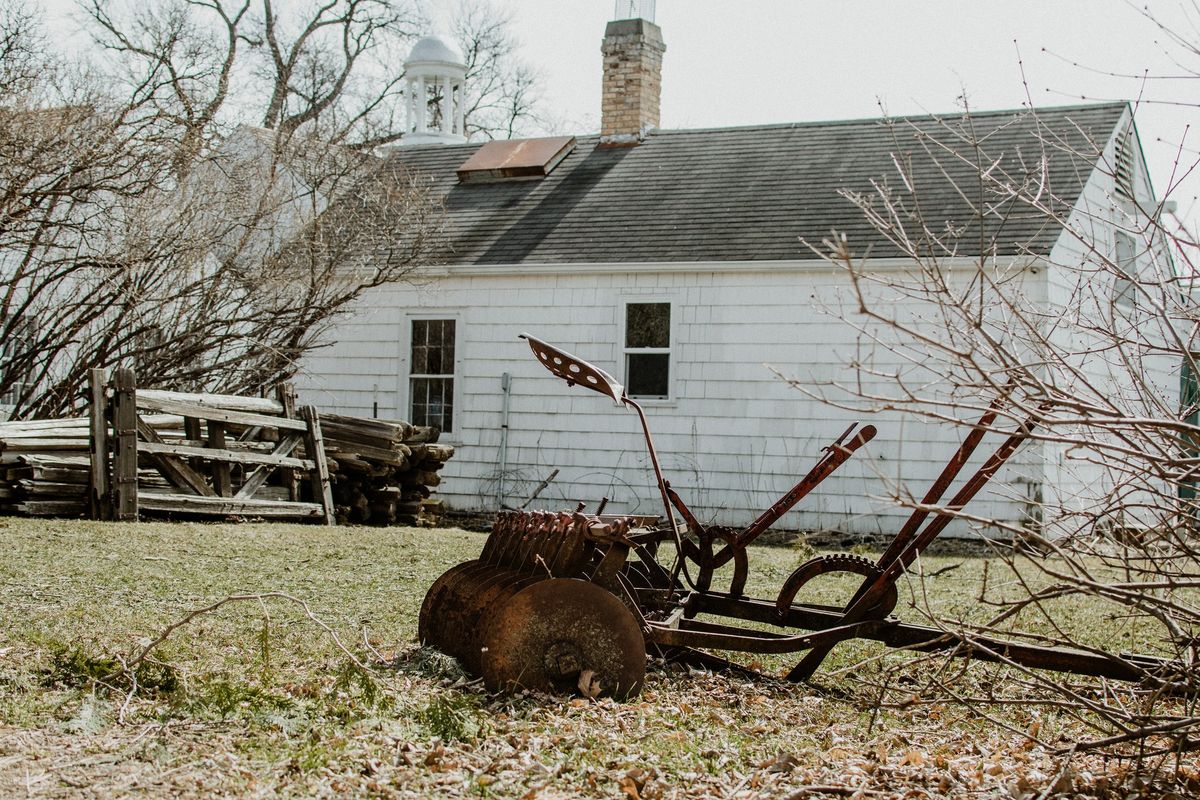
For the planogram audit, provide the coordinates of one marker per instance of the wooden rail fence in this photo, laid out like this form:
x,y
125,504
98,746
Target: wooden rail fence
x,y
141,451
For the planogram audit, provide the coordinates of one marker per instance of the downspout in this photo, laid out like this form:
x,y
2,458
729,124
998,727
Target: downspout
x,y
506,393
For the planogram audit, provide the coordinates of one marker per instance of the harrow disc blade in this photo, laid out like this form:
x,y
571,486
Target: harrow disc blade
x,y
550,633
435,598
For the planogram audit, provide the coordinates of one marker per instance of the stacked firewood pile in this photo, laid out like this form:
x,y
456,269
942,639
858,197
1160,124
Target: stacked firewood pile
x,y
381,472
384,472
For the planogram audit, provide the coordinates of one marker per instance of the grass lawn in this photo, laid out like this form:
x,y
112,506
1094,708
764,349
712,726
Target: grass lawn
x,y
258,699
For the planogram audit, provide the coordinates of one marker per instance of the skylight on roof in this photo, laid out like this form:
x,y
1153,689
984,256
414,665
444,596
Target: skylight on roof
x,y
515,160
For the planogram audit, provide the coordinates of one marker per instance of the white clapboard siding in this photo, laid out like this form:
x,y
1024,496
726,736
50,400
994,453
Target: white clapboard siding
x,y
734,436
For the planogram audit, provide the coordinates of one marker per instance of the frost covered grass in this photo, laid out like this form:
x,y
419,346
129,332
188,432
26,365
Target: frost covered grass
x,y
266,696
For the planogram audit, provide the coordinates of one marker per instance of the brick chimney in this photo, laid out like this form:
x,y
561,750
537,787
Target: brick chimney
x,y
633,51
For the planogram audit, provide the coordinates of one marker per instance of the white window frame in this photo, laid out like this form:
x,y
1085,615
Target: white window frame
x,y
670,352
407,375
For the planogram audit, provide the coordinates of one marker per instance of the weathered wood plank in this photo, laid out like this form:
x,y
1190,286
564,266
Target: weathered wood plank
x,y
230,402
250,507
69,427
81,444
124,420
257,478
53,508
215,414
99,500
227,456
46,489
172,467
320,474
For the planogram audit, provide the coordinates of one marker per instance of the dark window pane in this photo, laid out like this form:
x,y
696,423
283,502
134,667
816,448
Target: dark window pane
x,y
648,374
433,402
433,347
420,347
648,325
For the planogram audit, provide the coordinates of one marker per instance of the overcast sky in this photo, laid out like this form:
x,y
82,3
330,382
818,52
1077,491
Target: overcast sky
x,y
764,61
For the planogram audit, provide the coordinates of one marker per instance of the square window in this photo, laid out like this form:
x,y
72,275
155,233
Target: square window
x,y
648,325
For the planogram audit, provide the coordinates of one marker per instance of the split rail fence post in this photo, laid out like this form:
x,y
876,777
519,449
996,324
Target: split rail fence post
x,y
99,499
315,445
124,419
285,393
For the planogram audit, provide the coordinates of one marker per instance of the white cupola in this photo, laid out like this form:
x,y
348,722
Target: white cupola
x,y
433,93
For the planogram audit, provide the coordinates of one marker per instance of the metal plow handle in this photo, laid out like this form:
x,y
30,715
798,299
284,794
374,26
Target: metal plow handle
x,y
575,370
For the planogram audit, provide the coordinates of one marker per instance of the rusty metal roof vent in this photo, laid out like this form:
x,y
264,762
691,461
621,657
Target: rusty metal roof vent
x,y
515,160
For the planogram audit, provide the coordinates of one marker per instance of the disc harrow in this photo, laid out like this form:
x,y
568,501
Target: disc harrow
x,y
571,601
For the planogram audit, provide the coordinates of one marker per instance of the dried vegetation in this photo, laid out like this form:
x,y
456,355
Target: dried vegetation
x,y
313,686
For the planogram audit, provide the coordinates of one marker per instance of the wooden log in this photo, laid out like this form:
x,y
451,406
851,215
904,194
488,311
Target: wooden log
x,y
396,455
439,452
226,506
423,436
59,474
352,427
63,432
124,420
214,413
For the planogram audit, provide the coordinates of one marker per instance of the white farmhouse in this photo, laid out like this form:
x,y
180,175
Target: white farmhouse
x,y
677,261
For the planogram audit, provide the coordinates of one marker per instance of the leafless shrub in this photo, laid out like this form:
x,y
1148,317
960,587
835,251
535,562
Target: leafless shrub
x,y
1087,338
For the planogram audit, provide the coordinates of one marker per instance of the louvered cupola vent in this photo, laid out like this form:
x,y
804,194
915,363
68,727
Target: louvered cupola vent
x,y
1123,166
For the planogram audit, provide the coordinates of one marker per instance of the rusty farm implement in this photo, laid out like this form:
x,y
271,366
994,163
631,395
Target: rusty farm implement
x,y
562,600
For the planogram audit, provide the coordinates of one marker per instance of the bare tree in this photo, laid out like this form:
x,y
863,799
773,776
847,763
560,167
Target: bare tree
x,y
215,266
502,91
207,206
331,69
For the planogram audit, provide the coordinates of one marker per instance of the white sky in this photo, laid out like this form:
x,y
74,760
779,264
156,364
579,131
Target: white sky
x,y
764,61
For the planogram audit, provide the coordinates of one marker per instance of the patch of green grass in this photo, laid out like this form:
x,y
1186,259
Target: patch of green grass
x,y
71,666
257,699
453,717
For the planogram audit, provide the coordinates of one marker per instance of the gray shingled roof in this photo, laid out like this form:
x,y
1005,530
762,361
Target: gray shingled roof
x,y
745,194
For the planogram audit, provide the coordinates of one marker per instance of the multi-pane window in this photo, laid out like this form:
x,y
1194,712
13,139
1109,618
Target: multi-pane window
x,y
1124,286
431,381
648,350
